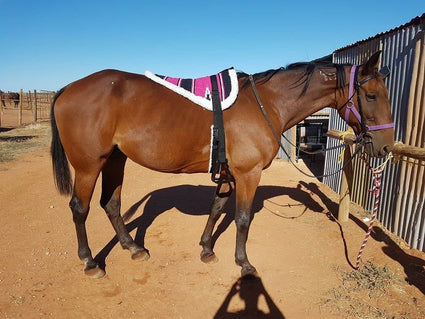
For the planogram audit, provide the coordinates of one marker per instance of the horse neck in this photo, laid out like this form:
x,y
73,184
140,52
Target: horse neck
x,y
292,106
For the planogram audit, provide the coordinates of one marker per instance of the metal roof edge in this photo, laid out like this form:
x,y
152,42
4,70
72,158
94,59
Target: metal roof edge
x,y
419,20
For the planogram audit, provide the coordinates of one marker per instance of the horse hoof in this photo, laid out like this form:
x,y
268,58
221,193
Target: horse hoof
x,y
249,271
141,255
209,259
95,272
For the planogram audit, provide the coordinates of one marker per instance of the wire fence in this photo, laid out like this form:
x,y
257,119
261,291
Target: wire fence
x,y
17,109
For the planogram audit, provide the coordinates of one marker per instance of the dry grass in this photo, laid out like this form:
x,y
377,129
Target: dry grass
x,y
375,280
23,140
361,293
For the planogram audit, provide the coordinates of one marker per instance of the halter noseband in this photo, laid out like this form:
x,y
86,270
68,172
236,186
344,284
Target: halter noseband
x,y
355,84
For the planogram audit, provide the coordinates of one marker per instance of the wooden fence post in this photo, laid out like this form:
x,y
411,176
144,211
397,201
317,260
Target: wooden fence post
x,y
34,107
346,186
21,95
1,109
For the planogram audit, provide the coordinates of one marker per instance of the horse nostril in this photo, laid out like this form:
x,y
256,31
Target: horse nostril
x,y
385,150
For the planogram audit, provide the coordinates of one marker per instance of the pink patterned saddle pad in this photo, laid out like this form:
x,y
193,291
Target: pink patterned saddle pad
x,y
199,90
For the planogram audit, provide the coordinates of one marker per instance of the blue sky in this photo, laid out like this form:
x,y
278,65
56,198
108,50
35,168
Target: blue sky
x,y
46,44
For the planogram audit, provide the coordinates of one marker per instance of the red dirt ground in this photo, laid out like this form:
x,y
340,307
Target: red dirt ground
x,y
298,250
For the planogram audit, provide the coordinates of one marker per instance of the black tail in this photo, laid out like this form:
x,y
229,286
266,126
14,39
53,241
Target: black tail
x,y
132,210
61,172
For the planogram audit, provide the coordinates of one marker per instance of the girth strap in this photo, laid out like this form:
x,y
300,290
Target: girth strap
x,y
219,142
219,170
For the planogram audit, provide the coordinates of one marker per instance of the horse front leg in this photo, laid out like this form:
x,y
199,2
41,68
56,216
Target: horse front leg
x,y
245,191
207,255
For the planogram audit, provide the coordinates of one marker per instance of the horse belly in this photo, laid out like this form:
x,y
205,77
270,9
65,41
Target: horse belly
x,y
167,140
167,155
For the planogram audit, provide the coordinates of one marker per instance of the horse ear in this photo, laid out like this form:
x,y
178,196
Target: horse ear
x,y
372,64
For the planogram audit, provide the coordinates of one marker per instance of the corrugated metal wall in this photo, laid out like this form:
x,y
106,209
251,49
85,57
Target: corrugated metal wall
x,y
281,154
402,199
409,219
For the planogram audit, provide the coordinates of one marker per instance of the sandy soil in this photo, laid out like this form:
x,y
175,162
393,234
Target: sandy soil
x,y
299,252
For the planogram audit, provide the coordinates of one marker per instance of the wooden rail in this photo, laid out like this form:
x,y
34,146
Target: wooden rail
x,y
398,150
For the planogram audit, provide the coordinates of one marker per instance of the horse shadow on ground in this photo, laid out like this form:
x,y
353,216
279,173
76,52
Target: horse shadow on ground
x,y
196,200
332,213
249,289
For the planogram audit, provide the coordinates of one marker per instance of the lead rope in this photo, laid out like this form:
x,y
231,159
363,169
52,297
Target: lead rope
x,y
376,190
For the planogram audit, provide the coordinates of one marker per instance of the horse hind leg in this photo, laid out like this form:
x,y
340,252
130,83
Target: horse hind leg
x,y
112,179
207,255
80,206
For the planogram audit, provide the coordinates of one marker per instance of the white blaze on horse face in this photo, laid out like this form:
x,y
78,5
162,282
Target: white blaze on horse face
x,y
327,76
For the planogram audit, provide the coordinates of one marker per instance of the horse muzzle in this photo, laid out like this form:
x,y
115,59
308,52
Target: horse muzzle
x,y
379,143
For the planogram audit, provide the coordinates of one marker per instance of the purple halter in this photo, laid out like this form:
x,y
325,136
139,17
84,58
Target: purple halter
x,y
354,84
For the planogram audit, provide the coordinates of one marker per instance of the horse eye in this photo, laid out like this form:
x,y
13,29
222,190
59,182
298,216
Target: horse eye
x,y
371,97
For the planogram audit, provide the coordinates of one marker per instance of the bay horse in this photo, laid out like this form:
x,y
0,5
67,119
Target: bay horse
x,y
11,97
103,119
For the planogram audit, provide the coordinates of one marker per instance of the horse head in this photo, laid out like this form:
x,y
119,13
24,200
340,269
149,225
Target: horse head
x,y
368,109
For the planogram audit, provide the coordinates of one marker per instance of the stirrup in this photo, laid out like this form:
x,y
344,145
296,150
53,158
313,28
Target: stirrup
x,y
224,177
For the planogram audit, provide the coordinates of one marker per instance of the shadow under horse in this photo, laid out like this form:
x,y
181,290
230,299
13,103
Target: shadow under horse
x,y
181,198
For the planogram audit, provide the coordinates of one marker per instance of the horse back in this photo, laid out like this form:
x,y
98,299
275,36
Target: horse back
x,y
152,125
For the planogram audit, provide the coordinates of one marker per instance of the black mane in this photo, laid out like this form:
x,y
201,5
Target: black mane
x,y
307,67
